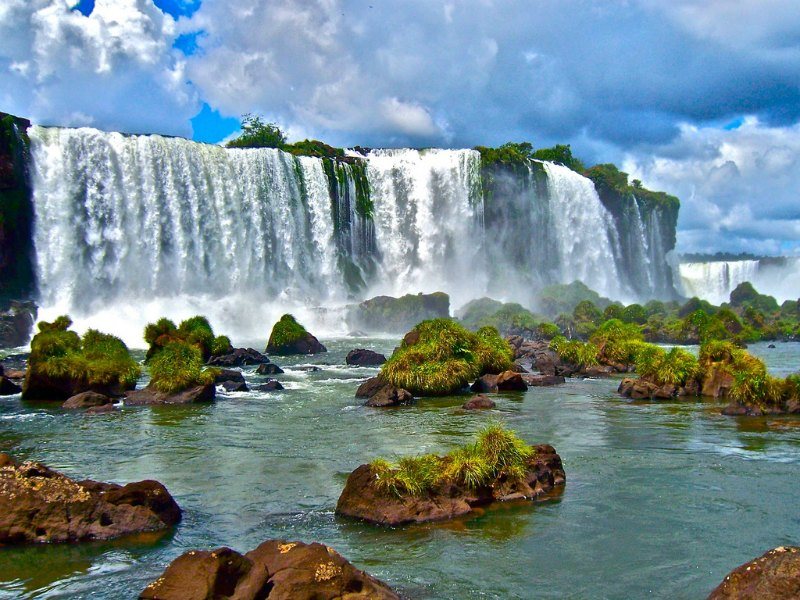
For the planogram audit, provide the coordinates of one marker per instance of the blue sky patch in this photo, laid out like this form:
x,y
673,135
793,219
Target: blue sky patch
x,y
178,8
85,7
211,127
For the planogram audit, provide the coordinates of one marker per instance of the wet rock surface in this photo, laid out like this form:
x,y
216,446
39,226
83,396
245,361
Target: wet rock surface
x,y
775,575
150,395
275,570
478,402
240,357
38,504
364,358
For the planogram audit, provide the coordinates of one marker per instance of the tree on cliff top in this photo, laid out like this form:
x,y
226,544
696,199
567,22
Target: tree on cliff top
x,y
258,134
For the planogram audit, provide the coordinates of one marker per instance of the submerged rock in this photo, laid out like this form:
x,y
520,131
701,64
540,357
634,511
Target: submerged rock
x,y
277,569
240,357
150,395
507,381
361,499
269,369
38,504
87,400
364,358
478,402
235,386
775,575
272,385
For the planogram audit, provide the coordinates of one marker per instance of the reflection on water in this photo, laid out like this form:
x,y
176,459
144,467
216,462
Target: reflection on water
x,y
662,498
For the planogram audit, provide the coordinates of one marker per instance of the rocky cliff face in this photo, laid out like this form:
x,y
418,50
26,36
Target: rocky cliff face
x,y
16,212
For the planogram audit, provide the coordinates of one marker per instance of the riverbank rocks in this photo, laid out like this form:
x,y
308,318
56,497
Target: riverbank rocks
x,y
149,395
717,382
361,499
542,380
290,337
507,381
240,357
640,389
775,575
275,570
478,402
87,400
364,358
38,504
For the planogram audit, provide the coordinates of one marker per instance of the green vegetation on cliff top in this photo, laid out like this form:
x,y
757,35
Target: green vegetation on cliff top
x,y
195,331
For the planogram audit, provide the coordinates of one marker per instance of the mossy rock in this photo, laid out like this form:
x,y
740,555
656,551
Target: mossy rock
x,y
440,357
290,337
62,364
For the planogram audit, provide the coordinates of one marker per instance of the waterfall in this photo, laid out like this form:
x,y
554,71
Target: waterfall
x,y
582,231
715,280
129,228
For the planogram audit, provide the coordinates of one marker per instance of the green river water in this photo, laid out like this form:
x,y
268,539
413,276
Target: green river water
x,y
662,499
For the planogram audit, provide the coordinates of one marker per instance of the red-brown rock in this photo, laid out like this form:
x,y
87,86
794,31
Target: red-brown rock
x,y
276,570
370,387
388,395
87,400
38,504
360,498
510,381
542,380
478,402
717,382
149,395
775,575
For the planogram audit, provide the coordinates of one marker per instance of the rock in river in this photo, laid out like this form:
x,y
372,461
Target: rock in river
x,y
275,570
775,575
38,504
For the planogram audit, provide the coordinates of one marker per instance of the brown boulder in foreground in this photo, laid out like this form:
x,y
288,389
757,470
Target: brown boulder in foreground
x,y
276,570
360,498
772,576
38,504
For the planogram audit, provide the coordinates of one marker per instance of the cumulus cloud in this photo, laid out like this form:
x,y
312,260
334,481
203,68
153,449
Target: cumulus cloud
x,y
740,187
114,68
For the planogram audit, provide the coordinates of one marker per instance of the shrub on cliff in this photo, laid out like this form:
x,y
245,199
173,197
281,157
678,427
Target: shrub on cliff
x,y
617,342
440,357
497,453
62,364
258,134
575,352
178,366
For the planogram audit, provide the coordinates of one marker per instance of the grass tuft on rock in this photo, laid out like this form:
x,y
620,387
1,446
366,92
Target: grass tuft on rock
x,y
195,331
675,367
440,357
497,453
178,366
286,331
94,360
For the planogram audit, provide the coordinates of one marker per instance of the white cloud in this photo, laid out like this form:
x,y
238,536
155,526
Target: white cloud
x,y
115,68
740,188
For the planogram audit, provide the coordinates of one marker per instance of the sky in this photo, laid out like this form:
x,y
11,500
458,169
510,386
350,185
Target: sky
x,y
700,98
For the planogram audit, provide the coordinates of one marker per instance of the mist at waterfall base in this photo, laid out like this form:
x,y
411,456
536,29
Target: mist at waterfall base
x,y
132,228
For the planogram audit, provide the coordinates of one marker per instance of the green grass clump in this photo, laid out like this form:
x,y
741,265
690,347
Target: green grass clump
x,y
575,352
498,453
195,331
617,341
94,360
444,357
178,366
675,367
286,331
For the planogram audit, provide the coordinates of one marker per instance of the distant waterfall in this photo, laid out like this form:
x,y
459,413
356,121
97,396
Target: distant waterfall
x,y
715,280
130,228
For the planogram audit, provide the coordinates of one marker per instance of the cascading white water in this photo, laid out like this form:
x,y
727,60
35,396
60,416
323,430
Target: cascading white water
x,y
583,231
428,221
715,280
132,228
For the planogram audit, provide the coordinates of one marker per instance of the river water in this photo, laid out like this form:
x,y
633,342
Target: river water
x,y
662,499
